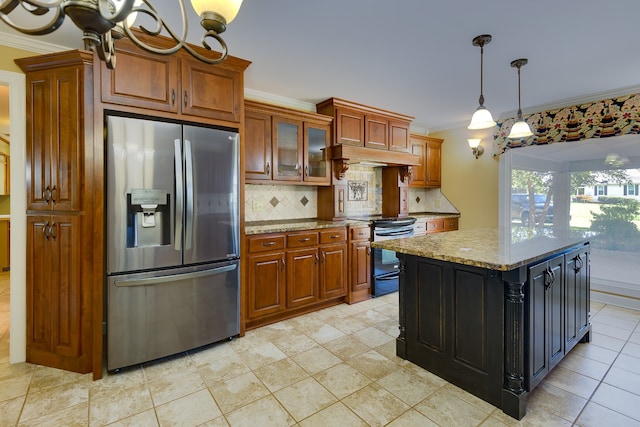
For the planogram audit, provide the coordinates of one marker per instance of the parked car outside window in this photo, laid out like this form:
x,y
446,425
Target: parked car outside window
x,y
520,208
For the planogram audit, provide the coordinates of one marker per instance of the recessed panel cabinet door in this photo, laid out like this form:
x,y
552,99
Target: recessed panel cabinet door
x,y
54,137
302,277
266,292
54,295
333,271
258,163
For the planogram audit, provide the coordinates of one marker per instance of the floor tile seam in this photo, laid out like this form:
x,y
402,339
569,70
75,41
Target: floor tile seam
x,y
601,381
284,407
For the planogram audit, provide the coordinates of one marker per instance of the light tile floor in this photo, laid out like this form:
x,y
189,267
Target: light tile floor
x,y
335,367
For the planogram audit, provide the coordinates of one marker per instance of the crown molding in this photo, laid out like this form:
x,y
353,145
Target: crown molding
x,y
29,43
282,101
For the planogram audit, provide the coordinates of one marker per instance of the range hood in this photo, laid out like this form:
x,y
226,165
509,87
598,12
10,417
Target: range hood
x,y
352,155
345,155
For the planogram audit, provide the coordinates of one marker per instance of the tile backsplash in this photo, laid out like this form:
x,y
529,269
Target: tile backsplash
x,y
282,202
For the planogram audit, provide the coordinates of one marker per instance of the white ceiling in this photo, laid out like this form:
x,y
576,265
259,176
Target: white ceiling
x,y
416,57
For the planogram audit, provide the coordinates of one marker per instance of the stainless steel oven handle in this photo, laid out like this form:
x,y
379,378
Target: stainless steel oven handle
x,y
393,275
173,277
395,233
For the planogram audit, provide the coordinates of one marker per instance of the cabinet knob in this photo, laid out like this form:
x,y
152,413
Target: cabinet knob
x,y
173,96
268,168
54,194
306,170
266,244
45,230
52,230
186,98
306,239
46,194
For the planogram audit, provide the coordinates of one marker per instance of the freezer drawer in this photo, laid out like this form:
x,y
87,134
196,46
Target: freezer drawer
x,y
157,314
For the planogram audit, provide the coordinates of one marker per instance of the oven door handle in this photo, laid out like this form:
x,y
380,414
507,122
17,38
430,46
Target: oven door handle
x,y
395,233
392,275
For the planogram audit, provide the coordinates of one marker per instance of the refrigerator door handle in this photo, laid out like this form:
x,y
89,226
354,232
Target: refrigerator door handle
x,y
173,277
188,164
179,203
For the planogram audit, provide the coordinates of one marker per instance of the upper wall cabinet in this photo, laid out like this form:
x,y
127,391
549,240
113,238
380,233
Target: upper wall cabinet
x,y
428,173
364,126
285,145
176,84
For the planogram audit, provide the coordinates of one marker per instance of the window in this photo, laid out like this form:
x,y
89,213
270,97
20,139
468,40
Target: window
x,y
587,196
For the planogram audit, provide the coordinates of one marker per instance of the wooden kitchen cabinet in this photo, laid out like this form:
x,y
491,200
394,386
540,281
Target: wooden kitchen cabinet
x,y
577,297
55,138
333,263
294,273
266,284
428,173
176,84
395,191
286,145
55,298
61,189
545,310
364,126
359,263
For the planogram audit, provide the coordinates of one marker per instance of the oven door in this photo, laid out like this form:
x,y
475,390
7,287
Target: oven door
x,y
386,272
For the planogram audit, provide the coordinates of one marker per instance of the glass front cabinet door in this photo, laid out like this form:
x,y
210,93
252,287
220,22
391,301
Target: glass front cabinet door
x,y
316,162
287,152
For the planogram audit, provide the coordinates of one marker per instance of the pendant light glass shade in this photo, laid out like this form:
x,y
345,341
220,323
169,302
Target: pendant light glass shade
x,y
227,8
520,128
481,119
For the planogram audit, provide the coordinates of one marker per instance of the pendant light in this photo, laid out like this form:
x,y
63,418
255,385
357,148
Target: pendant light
x,y
481,119
520,128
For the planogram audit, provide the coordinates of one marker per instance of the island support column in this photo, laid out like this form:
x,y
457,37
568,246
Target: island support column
x,y
513,391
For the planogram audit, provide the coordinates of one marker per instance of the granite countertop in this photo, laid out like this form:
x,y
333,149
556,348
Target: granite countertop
x,y
434,215
283,226
491,248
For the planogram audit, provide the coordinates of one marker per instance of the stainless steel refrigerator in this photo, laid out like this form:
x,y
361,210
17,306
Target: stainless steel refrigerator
x,y
173,252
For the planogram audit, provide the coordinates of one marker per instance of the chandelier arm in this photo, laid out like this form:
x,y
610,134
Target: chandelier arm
x,y
181,42
106,50
51,26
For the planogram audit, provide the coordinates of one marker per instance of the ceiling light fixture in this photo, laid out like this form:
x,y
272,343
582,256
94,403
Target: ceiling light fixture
x,y
481,119
476,148
520,128
103,21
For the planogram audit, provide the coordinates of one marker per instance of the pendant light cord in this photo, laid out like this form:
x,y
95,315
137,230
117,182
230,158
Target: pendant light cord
x,y
481,100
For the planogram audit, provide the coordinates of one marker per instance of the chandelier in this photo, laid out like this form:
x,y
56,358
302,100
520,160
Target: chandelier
x,y
103,21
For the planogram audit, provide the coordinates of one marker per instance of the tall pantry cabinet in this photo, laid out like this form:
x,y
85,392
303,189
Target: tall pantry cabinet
x,y
60,210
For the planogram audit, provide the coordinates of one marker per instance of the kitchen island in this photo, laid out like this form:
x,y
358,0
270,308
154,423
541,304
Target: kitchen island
x,y
491,310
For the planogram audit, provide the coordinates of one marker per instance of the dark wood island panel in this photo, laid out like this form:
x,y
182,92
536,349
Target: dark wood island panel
x,y
494,327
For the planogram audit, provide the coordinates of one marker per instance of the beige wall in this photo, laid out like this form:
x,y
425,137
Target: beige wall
x,y
8,54
470,185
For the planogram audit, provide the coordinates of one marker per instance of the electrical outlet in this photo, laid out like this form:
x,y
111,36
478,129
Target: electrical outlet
x,y
257,206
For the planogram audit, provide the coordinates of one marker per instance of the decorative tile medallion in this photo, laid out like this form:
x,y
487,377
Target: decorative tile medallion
x,y
358,190
304,200
274,201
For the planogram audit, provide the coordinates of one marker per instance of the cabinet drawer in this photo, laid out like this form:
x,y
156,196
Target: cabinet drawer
x,y
299,240
435,225
420,228
333,236
450,224
266,243
359,233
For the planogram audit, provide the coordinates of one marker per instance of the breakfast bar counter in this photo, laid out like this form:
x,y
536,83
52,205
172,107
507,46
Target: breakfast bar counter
x,y
492,310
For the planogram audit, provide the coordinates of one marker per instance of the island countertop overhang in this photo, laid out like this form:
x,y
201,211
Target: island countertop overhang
x,y
490,248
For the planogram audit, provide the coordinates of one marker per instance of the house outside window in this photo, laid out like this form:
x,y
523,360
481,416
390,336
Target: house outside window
x,y
631,190
601,190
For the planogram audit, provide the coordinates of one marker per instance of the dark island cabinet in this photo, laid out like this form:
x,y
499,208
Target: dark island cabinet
x,y
544,304
494,333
